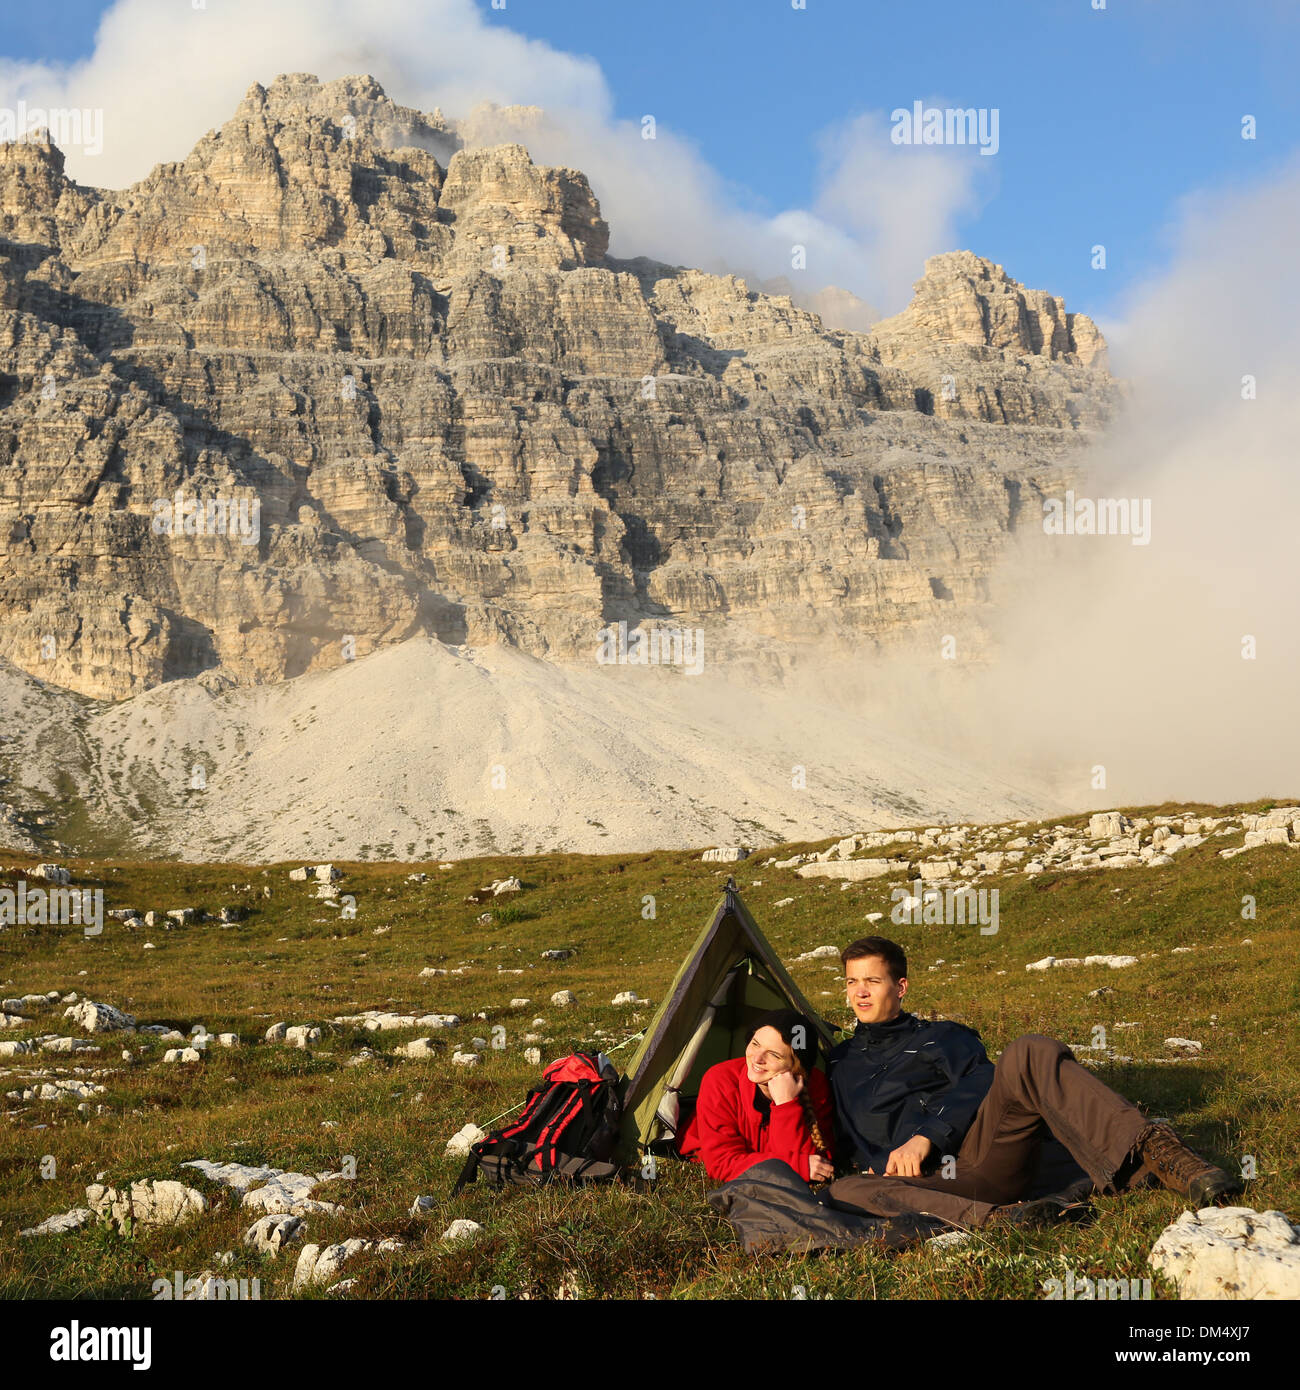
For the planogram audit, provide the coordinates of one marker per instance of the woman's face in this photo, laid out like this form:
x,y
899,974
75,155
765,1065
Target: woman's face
x,y
768,1054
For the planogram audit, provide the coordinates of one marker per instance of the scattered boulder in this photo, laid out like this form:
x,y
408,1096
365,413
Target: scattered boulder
x,y
99,1018
182,1054
417,1048
302,1035
1114,962
458,1146
852,870
562,998
725,854
270,1234
505,885
15,1047
1230,1253
52,873
1106,825
819,953
556,955
533,1056
270,1190
317,1266
59,1225
183,916
464,1059
276,1032
228,1039
626,996
462,1230
1187,1045
148,1203
67,1045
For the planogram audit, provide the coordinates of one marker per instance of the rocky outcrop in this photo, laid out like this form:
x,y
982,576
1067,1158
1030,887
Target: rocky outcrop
x,y
411,393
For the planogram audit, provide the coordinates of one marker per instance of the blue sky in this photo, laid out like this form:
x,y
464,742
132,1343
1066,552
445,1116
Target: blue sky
x,y
1107,119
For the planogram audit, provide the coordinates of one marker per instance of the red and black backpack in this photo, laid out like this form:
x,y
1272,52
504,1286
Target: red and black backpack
x,y
569,1128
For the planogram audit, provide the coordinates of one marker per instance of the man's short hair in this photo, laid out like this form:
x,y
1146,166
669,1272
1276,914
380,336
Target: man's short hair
x,y
889,951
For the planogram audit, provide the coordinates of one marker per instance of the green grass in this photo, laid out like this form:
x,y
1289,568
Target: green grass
x,y
266,1103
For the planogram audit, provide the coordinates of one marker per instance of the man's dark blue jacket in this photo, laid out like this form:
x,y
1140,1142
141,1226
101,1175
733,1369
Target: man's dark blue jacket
x,y
892,1081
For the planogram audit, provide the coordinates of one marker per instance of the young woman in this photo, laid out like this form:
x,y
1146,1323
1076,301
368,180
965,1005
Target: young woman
x,y
770,1103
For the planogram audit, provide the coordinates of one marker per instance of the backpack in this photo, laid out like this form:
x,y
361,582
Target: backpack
x,y
569,1128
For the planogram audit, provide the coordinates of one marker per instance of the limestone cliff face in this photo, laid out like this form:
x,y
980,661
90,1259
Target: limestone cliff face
x,y
408,364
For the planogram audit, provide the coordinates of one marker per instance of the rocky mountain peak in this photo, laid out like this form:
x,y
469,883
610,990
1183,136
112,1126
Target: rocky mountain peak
x,y
348,373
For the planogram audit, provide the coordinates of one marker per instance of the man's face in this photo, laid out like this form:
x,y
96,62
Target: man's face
x,y
872,994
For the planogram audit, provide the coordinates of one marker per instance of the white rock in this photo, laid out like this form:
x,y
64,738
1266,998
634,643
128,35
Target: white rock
x,y
458,1146
15,1047
506,885
461,1230
1230,1253
725,854
99,1018
533,1056
148,1203
1115,962
59,1225
1045,964
271,1190
228,1039
1183,1044
326,873
268,1235
852,870
422,1206
783,902
626,996
317,1266
819,953
301,1035
276,1032
1106,825
298,875
562,998
52,873
417,1048
182,1054
464,1059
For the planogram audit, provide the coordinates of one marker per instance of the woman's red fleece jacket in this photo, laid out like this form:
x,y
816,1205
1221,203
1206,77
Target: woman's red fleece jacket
x,y
728,1135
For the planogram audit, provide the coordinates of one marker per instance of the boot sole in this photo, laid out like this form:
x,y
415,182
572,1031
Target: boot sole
x,y
1205,1191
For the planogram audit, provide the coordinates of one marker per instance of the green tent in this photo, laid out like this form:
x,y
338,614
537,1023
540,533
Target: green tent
x,y
730,977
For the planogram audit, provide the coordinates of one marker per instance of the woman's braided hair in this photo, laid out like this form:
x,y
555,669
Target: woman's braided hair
x,y
785,1021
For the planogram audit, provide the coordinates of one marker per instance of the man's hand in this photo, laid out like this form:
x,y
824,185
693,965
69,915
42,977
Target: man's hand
x,y
906,1160
784,1087
819,1170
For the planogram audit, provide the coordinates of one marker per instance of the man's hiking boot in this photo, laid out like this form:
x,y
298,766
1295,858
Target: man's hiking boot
x,y
1037,1214
1177,1167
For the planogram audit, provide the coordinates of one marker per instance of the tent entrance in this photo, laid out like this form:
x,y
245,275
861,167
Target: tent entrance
x,y
730,978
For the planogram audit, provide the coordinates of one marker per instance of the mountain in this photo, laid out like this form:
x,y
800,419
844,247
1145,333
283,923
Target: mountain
x,y
406,363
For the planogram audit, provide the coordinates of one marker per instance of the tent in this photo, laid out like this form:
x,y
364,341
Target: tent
x,y
730,977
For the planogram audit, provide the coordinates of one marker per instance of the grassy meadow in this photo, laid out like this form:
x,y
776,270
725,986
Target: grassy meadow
x,y
1236,990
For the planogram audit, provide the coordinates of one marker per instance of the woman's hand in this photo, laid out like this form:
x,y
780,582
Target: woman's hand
x,y
784,1087
819,1169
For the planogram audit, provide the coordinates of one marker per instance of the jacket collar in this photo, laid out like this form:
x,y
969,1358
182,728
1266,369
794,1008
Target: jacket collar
x,y
883,1032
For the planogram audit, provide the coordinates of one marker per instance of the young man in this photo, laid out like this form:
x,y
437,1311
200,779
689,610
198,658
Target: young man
x,y
916,1099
